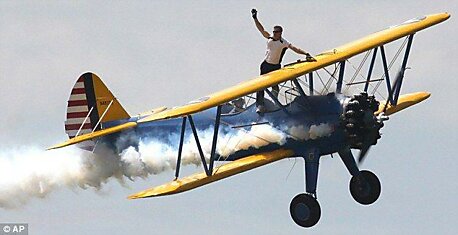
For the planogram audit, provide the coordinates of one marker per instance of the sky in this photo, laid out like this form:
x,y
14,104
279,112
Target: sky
x,y
166,53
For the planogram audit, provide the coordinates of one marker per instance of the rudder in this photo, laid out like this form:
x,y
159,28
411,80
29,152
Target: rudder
x,y
93,104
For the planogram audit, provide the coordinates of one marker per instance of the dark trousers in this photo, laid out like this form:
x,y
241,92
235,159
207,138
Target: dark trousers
x,y
266,68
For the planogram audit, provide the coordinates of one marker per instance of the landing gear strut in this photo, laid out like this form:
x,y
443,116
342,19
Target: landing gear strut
x,y
365,188
305,210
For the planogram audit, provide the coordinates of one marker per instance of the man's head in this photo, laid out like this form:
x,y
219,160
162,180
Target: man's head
x,y
277,32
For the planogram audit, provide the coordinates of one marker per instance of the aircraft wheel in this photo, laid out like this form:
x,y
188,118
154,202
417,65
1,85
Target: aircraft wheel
x,y
305,210
365,188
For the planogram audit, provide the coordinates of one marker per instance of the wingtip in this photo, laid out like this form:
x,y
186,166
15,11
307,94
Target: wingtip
x,y
139,195
422,95
132,197
53,147
57,146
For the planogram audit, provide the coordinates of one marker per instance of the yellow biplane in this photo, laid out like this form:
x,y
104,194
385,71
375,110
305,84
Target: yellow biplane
x,y
315,115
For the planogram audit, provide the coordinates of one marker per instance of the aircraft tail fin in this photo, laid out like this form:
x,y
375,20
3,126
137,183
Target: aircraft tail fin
x,y
89,106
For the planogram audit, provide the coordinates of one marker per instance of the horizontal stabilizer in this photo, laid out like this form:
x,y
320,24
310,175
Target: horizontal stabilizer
x,y
221,172
404,102
95,134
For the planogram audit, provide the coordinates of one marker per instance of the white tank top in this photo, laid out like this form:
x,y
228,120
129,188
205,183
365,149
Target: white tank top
x,y
275,50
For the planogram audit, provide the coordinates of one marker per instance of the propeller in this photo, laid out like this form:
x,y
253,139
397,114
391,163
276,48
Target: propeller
x,y
399,75
363,152
366,145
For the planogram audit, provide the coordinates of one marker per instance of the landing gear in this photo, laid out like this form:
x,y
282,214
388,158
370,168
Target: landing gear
x,y
305,210
365,187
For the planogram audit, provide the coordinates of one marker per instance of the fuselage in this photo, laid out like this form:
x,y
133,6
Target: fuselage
x,y
305,123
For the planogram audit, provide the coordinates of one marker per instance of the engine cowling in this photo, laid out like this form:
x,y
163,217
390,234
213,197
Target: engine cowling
x,y
359,122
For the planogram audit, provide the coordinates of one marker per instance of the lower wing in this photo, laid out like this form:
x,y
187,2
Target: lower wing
x,y
221,172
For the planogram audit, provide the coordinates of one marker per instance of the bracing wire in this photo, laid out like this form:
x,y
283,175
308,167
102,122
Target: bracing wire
x,y
332,77
357,70
291,170
391,64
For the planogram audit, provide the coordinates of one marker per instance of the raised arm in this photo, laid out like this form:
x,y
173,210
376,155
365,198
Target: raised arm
x,y
258,24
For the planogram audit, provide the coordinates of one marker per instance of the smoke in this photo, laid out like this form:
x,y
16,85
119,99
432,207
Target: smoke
x,y
153,156
258,136
313,132
28,173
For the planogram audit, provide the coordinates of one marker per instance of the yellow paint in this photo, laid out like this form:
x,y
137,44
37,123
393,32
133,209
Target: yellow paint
x,y
156,110
332,56
104,97
224,171
404,102
324,59
95,134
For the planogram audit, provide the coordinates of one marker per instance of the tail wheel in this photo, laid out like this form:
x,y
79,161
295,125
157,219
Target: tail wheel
x,y
365,188
305,210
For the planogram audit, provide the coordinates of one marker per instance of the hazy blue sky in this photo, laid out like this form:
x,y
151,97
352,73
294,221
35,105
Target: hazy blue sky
x,y
155,53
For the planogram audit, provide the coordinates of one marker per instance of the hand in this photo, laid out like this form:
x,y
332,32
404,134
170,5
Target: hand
x,y
254,13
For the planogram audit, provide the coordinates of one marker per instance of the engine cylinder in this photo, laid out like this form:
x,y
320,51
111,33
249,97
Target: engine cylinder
x,y
358,119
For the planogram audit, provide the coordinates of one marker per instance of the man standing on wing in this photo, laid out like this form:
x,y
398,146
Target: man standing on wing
x,y
276,48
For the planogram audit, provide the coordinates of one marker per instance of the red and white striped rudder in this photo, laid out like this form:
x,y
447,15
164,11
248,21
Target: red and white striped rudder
x,y
89,101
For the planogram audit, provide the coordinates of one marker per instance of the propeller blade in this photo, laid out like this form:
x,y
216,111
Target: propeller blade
x,y
363,152
395,85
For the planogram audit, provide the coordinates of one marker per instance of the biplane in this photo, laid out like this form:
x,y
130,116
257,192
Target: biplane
x,y
321,110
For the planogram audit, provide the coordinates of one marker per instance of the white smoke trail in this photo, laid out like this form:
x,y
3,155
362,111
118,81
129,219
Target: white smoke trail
x,y
153,156
302,132
33,173
30,172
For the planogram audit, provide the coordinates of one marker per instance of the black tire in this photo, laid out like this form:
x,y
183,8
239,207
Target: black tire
x,y
305,210
365,188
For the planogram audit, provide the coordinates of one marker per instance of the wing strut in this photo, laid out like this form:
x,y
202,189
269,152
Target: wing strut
x,y
277,102
387,75
393,90
180,148
311,83
215,138
208,169
371,67
199,147
341,75
397,90
299,87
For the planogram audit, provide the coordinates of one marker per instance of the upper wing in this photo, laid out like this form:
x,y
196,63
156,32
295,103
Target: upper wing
x,y
281,75
298,69
224,171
